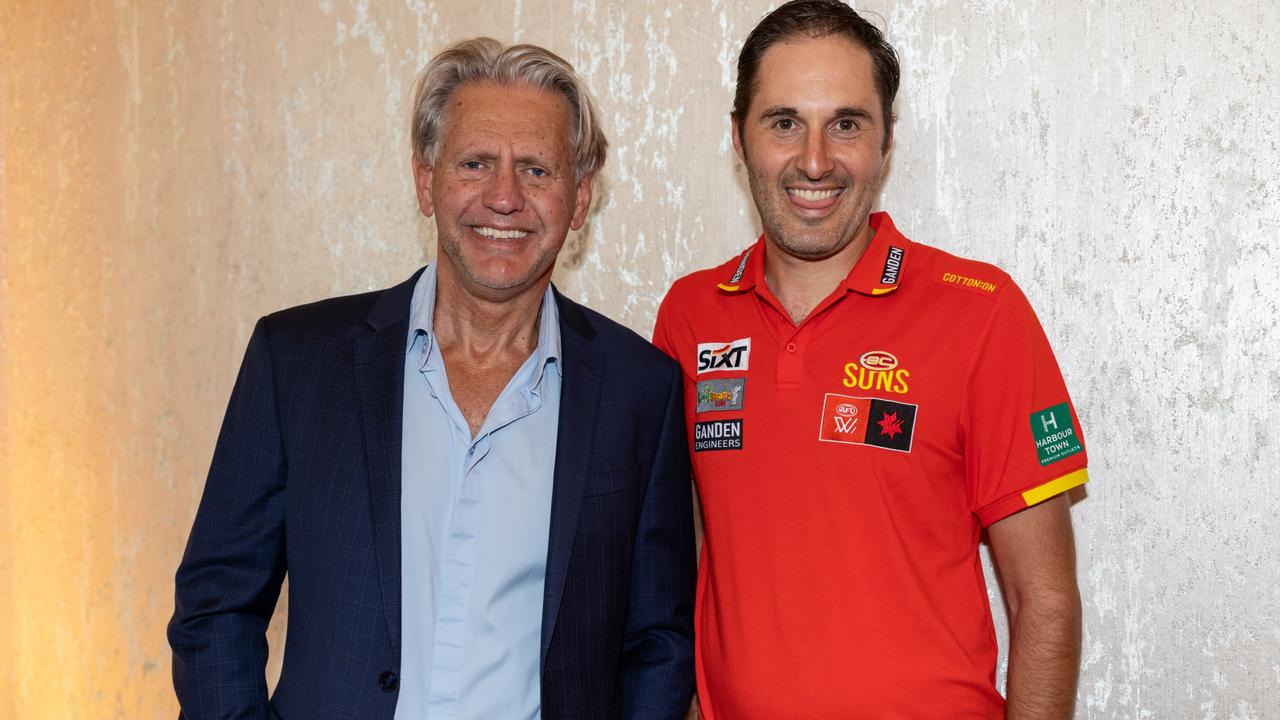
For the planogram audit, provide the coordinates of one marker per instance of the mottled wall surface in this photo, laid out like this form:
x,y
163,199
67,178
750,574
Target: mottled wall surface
x,y
171,171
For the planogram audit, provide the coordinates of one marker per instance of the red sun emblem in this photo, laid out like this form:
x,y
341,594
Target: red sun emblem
x,y
890,425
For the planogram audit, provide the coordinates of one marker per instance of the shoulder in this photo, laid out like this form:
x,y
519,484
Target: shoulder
x,y
703,291
615,337
975,296
620,345
332,314
342,318
957,274
711,282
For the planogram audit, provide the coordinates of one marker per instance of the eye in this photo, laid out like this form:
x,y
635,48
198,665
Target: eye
x,y
539,172
472,165
785,124
846,125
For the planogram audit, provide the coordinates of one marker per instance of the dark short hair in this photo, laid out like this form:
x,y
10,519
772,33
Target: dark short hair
x,y
816,19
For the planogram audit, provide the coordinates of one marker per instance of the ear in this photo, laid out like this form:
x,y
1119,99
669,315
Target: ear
x,y
582,203
737,138
422,173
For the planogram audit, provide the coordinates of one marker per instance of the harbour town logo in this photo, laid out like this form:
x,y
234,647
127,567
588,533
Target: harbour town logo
x,y
876,370
1054,433
717,435
867,421
713,357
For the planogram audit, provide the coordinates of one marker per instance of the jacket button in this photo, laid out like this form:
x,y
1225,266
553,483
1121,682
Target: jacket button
x,y
388,681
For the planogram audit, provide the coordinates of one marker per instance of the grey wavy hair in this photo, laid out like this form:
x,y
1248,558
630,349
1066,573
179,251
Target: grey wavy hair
x,y
483,60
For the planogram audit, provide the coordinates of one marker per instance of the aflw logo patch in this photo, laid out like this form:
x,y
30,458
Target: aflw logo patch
x,y
868,421
734,355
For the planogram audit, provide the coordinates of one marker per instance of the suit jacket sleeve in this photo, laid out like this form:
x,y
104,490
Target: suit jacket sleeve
x,y
657,659
230,575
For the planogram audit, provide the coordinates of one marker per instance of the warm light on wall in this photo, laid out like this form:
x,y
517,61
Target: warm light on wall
x,y
171,171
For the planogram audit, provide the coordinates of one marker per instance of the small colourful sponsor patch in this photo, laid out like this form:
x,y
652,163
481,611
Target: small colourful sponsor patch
x,y
721,394
867,421
1054,433
717,435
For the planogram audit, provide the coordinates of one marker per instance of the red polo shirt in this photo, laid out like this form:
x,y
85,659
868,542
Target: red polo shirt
x,y
846,468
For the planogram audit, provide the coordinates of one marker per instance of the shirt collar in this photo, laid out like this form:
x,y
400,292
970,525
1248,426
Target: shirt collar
x,y
879,271
422,310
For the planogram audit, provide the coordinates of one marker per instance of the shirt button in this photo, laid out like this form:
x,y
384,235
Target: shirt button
x,y
791,347
388,681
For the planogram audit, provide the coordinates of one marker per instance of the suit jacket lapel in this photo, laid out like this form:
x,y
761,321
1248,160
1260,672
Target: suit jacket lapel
x,y
579,406
379,373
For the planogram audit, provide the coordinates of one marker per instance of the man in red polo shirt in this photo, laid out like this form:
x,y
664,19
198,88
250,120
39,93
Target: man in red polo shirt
x,y
860,407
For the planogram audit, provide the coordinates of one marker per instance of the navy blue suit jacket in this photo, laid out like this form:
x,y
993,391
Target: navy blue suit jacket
x,y
305,479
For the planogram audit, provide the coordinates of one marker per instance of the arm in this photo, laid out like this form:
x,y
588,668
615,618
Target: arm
x,y
230,575
656,676
1034,551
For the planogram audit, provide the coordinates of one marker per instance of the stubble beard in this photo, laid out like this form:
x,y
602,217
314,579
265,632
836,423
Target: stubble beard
x,y
788,231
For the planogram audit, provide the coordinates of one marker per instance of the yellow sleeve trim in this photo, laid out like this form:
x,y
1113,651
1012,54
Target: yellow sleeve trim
x,y
1056,487
729,288
883,291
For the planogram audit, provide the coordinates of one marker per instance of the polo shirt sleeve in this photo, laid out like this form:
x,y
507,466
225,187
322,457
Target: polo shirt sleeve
x,y
662,329
1021,434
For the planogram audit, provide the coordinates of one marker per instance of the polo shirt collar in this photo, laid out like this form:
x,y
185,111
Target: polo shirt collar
x,y
422,317
878,272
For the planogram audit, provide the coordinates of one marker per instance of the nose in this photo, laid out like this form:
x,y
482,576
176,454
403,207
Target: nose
x,y
814,161
503,193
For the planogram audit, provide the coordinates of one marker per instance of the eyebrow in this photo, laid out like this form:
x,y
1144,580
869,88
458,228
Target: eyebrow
x,y
524,159
856,112
781,111
778,111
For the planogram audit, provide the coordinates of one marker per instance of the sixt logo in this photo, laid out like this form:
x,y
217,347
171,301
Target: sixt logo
x,y
876,370
713,357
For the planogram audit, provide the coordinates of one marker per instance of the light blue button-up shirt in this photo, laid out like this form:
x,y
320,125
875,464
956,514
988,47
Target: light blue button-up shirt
x,y
474,517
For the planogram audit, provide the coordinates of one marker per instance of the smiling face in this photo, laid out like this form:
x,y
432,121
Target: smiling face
x,y
814,145
503,189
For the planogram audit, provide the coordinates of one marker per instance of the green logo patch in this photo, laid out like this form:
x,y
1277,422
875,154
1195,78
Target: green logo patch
x,y
1054,434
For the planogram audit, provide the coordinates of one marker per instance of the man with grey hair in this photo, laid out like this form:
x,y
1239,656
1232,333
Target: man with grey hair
x,y
477,487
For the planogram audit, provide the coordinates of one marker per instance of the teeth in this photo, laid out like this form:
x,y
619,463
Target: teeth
x,y
497,234
813,194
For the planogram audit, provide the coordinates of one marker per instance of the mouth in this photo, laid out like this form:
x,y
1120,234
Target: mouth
x,y
494,233
807,194
813,198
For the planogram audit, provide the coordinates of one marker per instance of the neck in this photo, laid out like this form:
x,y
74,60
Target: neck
x,y
484,328
801,283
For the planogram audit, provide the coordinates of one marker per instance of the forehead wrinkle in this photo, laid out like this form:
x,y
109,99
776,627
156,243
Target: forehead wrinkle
x,y
477,128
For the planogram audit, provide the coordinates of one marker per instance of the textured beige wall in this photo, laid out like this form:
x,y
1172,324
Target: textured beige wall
x,y
171,171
